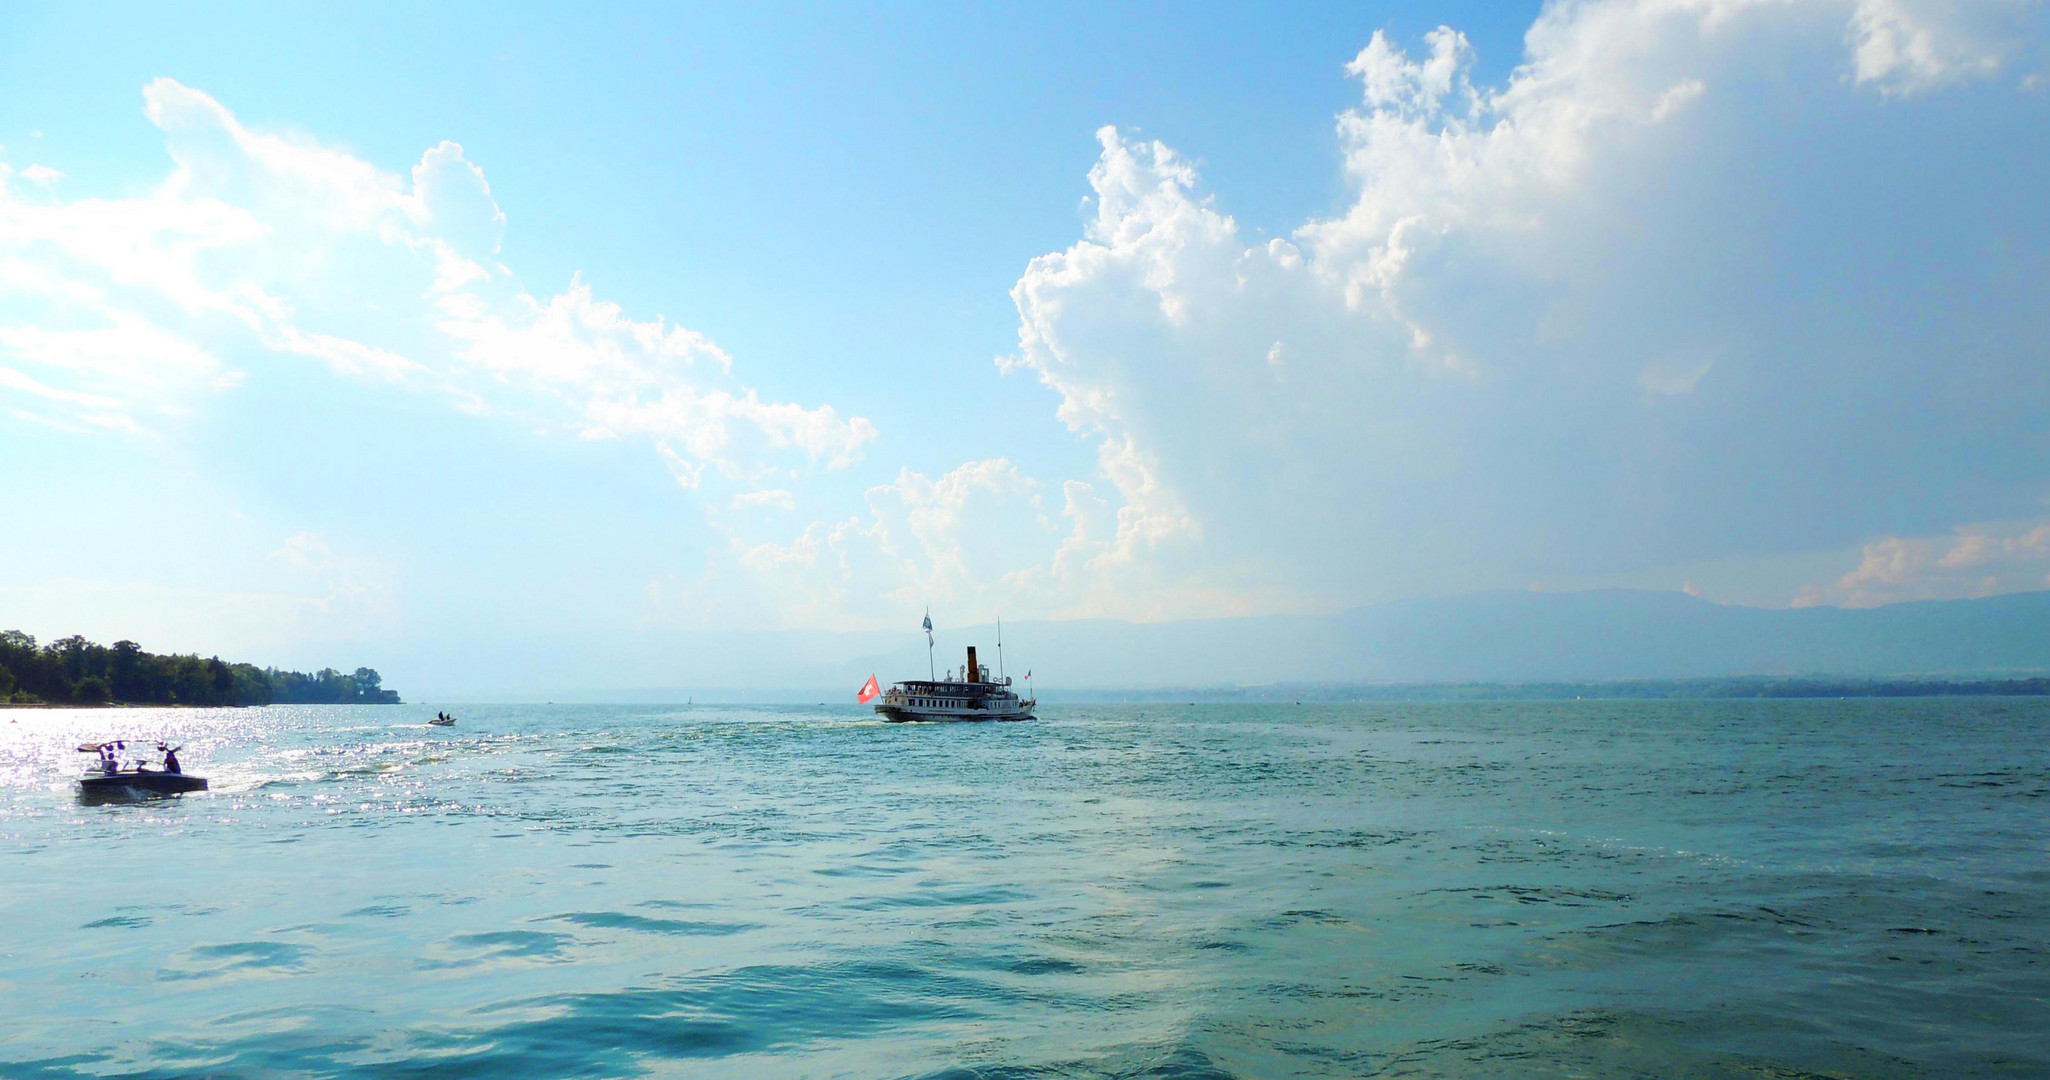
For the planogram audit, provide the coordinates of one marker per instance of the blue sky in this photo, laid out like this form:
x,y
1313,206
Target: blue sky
x,y
334,332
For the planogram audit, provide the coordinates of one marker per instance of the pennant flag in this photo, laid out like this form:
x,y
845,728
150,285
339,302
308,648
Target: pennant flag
x,y
869,691
1028,675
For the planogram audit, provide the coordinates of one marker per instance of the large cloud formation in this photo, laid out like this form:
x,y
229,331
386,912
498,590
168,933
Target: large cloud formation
x,y
121,314
1701,280
1704,279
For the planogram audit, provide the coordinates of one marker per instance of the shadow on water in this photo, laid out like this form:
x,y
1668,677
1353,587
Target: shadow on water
x,y
1176,1062
614,920
1602,1042
211,961
633,1032
747,1010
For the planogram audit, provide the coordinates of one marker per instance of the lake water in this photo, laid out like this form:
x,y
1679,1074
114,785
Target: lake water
x,y
1755,889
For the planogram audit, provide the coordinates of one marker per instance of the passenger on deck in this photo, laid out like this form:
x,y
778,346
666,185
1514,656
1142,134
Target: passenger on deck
x,y
171,760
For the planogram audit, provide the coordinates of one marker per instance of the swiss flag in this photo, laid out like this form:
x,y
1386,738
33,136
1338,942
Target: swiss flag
x,y
869,691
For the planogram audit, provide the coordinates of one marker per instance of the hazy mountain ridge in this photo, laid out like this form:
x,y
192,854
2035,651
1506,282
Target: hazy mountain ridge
x,y
1495,637
1518,637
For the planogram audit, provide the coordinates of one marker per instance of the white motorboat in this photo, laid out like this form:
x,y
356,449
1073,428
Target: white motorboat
x,y
133,767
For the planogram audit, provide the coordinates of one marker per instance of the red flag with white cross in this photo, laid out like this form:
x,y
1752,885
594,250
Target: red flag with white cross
x,y
869,691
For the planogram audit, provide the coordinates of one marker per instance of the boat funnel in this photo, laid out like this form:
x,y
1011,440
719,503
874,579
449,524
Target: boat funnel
x,y
974,673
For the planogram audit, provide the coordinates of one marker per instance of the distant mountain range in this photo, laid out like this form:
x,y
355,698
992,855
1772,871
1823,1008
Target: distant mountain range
x,y
1519,637
1494,637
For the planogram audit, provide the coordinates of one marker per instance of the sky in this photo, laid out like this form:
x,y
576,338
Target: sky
x,y
330,336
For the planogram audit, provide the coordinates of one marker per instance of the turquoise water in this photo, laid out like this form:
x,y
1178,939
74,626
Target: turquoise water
x,y
1580,889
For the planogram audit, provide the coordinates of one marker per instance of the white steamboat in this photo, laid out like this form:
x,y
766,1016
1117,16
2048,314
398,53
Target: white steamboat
x,y
972,695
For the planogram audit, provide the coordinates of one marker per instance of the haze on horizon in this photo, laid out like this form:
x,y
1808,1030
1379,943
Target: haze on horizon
x,y
349,338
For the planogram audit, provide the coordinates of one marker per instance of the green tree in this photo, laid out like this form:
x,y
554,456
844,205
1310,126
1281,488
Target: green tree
x,y
72,651
125,674
220,682
252,687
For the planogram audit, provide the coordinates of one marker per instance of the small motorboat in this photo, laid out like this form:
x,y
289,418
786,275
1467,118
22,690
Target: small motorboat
x,y
442,719
133,768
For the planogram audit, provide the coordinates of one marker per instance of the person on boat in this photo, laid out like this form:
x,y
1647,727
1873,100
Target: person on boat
x,y
171,760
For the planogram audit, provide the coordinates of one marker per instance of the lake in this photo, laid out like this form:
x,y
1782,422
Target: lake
x,y
1659,889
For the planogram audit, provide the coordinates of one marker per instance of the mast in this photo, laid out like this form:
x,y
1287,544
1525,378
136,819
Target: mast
x,y
1000,648
930,671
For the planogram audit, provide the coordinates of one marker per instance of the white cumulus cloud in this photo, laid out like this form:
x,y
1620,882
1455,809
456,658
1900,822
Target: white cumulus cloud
x,y
1971,561
1913,45
128,313
1665,294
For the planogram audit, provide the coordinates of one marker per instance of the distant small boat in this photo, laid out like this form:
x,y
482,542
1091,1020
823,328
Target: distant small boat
x,y
442,720
128,768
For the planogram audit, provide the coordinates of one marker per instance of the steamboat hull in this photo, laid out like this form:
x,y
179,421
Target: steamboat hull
x,y
900,715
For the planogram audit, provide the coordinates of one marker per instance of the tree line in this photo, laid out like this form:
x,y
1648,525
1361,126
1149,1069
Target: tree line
x,y
74,671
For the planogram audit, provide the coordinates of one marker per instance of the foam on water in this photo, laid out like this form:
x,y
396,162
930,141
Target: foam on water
x,y
1656,889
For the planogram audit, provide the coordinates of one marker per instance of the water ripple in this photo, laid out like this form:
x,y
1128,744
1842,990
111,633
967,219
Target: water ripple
x,y
1671,889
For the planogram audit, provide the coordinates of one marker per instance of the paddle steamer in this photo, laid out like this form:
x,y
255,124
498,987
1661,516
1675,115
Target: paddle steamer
x,y
971,695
